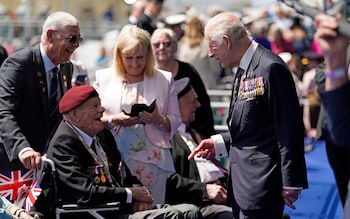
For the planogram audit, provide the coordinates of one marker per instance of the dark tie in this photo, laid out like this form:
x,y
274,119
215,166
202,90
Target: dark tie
x,y
53,95
235,91
93,146
195,136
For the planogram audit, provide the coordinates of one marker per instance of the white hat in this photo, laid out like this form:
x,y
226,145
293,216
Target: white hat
x,y
285,56
175,19
182,86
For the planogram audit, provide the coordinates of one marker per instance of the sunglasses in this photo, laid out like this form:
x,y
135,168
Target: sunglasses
x,y
72,39
165,44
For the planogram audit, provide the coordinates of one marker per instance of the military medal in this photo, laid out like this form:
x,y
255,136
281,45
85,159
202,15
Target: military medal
x,y
97,180
103,177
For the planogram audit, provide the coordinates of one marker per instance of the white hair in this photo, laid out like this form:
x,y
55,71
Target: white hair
x,y
57,21
224,23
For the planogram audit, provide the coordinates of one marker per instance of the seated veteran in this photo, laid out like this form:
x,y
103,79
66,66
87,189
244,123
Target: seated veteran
x,y
203,181
87,164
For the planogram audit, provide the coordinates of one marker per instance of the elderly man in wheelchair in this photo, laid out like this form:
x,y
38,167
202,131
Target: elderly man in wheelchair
x,y
87,169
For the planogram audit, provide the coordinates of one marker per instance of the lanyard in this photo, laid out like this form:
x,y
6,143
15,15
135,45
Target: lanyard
x,y
103,162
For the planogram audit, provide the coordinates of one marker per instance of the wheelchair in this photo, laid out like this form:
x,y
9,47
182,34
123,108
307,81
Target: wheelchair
x,y
48,167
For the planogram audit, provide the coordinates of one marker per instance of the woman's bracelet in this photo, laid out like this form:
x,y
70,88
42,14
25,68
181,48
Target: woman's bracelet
x,y
337,73
110,122
161,125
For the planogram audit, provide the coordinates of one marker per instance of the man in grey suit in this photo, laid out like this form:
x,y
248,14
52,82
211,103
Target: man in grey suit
x,y
265,141
26,120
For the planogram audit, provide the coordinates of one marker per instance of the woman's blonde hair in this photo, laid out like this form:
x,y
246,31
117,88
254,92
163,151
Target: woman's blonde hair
x,y
193,34
130,39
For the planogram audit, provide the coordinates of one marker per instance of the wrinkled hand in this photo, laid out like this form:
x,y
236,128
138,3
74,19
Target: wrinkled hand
x,y
141,194
31,159
215,192
205,149
142,206
126,121
290,196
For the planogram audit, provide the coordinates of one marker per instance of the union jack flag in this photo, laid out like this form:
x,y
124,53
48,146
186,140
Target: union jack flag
x,y
11,182
33,195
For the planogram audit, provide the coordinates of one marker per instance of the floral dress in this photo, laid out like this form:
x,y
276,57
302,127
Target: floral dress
x,y
147,161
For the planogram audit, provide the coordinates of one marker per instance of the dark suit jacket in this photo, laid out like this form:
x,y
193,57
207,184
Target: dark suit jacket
x,y
186,180
72,161
265,139
334,118
24,119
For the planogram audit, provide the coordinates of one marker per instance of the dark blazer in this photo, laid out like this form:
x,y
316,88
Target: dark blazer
x,y
74,179
204,127
186,180
24,119
335,110
266,139
72,161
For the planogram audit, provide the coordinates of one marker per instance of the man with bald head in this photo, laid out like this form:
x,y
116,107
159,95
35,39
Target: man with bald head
x,y
265,141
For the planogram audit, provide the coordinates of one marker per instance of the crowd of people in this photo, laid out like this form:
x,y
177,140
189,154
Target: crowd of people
x,y
142,132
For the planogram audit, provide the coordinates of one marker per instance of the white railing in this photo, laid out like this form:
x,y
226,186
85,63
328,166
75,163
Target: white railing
x,y
220,103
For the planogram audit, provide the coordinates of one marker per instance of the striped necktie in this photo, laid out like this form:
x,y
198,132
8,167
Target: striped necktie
x,y
235,91
53,95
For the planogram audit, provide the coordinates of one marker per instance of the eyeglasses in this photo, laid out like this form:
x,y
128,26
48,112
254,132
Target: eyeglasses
x,y
165,44
72,39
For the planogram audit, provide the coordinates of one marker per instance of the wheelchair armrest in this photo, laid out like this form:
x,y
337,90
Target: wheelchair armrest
x,y
105,205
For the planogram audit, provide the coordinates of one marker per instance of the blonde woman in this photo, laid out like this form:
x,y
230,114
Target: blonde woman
x,y
142,138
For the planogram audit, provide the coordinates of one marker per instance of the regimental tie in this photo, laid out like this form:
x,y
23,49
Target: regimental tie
x,y
235,90
93,146
53,95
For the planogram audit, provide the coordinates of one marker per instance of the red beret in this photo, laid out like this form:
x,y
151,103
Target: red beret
x,y
76,96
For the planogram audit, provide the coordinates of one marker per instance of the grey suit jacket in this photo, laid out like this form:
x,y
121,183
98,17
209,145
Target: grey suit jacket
x,y
24,119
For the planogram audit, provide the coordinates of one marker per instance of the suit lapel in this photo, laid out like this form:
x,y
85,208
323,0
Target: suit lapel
x,y
179,142
39,74
253,65
66,72
256,59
